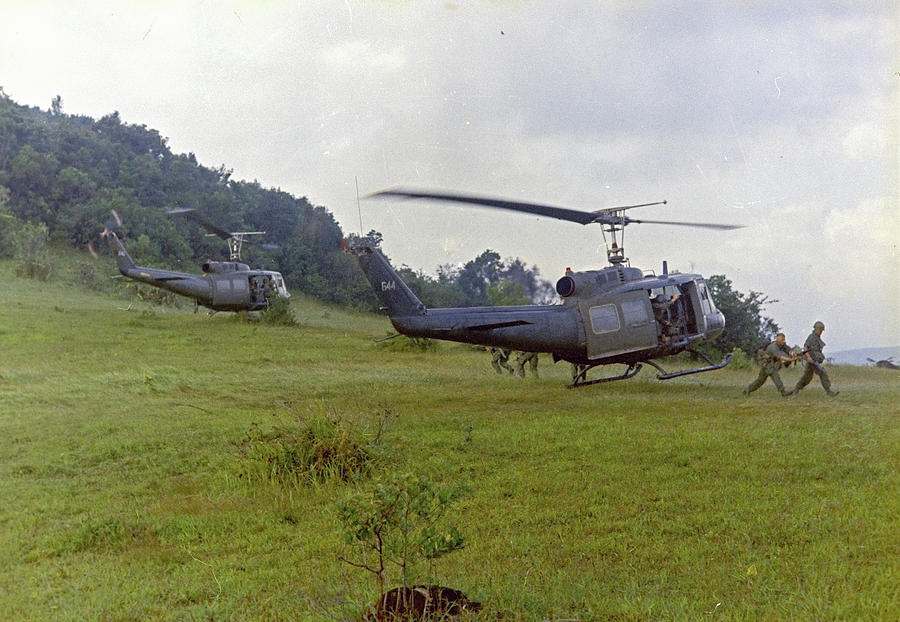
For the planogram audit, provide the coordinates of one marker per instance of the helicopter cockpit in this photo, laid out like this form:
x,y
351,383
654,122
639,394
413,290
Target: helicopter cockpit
x,y
684,309
265,285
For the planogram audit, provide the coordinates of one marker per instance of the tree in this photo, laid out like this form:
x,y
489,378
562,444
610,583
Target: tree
x,y
745,326
477,275
56,106
399,523
7,225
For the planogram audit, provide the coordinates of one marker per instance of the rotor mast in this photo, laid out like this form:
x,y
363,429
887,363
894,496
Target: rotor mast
x,y
615,244
236,241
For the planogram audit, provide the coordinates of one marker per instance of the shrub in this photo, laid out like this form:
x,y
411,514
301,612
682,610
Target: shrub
x,y
279,313
740,360
396,342
398,523
323,448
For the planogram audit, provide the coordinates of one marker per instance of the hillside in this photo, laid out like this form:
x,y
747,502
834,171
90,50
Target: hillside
x,y
65,173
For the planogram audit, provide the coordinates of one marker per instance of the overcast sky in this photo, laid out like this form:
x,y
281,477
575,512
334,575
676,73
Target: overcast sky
x,y
780,116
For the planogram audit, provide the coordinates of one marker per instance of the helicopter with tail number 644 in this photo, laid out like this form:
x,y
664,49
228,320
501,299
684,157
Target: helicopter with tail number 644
x,y
615,315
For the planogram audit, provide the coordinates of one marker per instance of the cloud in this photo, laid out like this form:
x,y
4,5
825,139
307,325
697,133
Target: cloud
x,y
780,116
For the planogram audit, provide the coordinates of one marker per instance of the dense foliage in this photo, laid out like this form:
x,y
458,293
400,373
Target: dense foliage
x,y
66,172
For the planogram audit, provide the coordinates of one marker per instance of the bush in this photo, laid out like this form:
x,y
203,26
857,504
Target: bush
x,y
396,342
741,360
30,243
320,449
279,313
398,523
90,277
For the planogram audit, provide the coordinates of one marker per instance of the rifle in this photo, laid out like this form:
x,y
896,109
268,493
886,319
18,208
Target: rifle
x,y
811,361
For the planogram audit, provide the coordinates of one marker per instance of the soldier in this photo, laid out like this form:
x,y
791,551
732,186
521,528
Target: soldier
x,y
772,358
526,357
662,312
500,358
813,357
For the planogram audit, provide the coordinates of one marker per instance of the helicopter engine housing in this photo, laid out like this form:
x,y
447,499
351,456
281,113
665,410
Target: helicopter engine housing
x,y
222,267
593,282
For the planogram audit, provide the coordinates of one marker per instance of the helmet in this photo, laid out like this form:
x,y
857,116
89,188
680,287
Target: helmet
x,y
818,326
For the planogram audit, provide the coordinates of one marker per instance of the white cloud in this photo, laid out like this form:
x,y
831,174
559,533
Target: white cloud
x,y
780,116
351,56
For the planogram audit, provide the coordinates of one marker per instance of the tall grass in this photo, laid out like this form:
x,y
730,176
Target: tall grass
x,y
121,462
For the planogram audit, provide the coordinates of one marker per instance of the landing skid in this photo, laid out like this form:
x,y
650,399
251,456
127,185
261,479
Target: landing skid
x,y
664,375
580,379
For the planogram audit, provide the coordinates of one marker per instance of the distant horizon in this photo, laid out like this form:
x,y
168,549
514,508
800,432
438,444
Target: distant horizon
x,y
859,356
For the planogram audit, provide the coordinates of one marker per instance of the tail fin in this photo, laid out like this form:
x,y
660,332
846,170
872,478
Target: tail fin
x,y
393,293
123,259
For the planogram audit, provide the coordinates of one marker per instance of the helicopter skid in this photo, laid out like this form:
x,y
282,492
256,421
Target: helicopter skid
x,y
581,382
696,370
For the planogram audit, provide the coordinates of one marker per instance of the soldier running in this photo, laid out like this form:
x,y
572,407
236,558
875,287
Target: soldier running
x,y
500,358
814,358
772,358
526,357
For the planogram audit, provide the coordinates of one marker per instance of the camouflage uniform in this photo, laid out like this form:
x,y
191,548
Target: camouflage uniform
x,y
500,358
526,357
769,364
577,369
813,347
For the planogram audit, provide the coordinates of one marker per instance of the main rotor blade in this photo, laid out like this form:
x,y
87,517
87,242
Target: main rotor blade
x,y
703,225
550,211
609,216
201,220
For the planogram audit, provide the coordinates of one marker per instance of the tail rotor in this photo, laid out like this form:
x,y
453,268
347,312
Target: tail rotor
x,y
112,223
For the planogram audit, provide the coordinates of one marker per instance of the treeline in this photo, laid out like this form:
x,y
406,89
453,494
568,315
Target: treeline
x,y
62,174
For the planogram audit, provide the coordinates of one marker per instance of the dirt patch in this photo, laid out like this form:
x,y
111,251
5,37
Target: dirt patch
x,y
420,602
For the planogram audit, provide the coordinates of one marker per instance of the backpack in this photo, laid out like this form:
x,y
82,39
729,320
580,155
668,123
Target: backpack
x,y
763,357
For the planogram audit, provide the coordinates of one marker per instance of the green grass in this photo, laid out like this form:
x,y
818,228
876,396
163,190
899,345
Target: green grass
x,y
126,495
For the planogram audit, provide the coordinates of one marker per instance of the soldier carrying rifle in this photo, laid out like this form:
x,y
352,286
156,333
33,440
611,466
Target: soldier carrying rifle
x,y
772,358
814,358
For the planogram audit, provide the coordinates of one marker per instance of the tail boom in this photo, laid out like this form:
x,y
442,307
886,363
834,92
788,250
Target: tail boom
x,y
537,328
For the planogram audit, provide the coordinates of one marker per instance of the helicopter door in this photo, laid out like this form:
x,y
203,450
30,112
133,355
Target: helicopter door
x,y
260,285
618,326
694,309
230,291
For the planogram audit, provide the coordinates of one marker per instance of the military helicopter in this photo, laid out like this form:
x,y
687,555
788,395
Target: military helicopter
x,y
887,363
615,315
224,286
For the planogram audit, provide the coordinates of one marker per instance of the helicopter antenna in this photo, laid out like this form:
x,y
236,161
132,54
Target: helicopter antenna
x,y
358,208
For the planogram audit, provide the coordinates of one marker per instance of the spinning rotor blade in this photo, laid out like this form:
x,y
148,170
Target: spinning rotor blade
x,y
201,220
550,211
609,216
702,225
113,222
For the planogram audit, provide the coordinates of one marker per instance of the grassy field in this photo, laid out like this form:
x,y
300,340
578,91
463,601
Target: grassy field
x,y
126,492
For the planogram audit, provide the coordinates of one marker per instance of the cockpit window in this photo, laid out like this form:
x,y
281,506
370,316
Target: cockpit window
x,y
604,319
634,313
706,302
